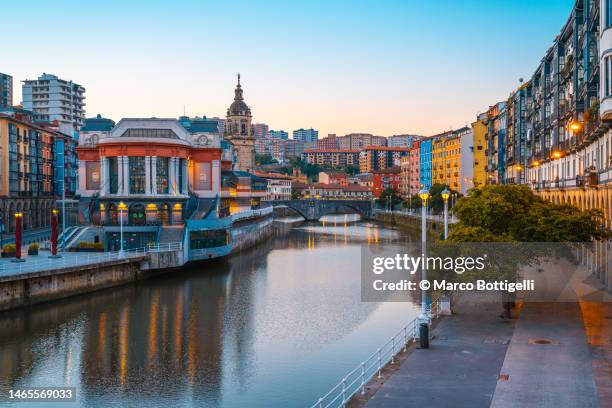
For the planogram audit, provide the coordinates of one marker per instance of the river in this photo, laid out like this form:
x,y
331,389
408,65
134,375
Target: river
x,y
275,326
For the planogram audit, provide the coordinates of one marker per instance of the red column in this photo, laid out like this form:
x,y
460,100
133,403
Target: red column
x,y
54,232
18,237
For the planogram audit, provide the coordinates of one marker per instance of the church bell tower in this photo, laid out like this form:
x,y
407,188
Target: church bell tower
x,y
239,132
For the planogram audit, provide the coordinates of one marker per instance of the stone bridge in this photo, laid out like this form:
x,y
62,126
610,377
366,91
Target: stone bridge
x,y
312,209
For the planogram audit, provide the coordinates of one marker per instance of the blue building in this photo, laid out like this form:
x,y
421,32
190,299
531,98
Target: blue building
x,y
306,135
278,134
425,163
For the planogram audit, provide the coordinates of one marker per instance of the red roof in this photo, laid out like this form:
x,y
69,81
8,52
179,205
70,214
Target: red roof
x,y
387,148
331,151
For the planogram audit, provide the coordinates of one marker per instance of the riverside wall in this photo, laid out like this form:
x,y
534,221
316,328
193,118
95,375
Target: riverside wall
x,y
27,289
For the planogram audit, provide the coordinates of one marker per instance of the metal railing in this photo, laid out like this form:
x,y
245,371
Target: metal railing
x,y
252,213
355,381
83,258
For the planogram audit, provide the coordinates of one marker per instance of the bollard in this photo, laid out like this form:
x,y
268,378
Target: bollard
x,y
363,378
424,335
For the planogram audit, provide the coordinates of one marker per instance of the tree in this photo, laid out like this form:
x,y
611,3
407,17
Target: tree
x,y
512,212
510,215
263,159
386,195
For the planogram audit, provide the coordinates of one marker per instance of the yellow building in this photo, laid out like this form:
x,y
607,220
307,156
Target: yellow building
x,y
479,129
446,160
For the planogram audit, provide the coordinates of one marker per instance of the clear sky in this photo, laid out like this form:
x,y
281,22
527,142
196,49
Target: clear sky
x,y
383,67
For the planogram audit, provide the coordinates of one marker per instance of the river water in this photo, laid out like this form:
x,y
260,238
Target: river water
x,y
276,326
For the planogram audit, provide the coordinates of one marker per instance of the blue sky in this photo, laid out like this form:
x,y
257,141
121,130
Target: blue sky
x,y
384,67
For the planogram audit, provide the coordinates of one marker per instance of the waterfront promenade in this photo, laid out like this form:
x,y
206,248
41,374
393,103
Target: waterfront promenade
x,y
552,354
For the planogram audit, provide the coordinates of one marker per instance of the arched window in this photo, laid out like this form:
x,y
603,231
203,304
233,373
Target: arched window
x,y
137,215
163,215
113,218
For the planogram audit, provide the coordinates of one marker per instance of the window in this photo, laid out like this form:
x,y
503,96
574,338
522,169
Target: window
x,y
137,175
113,175
162,175
607,72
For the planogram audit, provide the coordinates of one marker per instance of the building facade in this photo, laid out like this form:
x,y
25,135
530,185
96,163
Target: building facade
x,y
332,157
425,163
359,141
306,135
6,90
278,134
53,99
479,168
402,140
329,142
260,130
386,179
26,174
380,157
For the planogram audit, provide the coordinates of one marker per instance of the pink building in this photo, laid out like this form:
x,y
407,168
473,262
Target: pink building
x,y
414,172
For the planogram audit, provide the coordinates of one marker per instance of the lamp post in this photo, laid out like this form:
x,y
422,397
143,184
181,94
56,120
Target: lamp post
x,y
18,237
54,253
122,207
424,316
445,195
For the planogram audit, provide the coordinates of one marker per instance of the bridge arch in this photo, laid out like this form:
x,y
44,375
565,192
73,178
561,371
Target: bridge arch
x,y
313,210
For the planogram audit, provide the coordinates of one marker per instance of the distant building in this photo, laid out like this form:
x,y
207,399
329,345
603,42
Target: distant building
x,y
380,157
360,141
333,178
402,140
306,135
332,157
278,187
260,130
54,99
278,134
336,191
6,90
329,142
446,155
292,148
387,179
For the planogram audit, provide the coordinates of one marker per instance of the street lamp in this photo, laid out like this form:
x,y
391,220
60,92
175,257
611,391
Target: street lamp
x,y
18,237
424,316
54,253
121,207
445,196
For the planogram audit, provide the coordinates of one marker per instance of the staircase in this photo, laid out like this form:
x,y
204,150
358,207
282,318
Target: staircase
x,y
171,234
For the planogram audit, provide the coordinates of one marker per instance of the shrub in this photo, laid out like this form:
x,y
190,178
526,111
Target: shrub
x,y
91,245
33,246
9,248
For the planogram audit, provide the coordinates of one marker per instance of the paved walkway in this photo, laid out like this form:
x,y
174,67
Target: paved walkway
x,y
555,355
462,365
557,373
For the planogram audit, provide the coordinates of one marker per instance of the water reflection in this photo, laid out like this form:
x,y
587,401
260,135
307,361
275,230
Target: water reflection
x,y
270,327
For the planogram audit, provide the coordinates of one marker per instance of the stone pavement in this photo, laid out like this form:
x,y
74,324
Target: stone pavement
x,y
553,355
462,365
548,363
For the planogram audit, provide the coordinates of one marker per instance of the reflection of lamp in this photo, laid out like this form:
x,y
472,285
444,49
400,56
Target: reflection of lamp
x,y
95,176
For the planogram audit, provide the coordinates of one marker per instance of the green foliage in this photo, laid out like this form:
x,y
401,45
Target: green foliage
x,y
509,216
295,195
512,212
263,159
436,202
383,200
